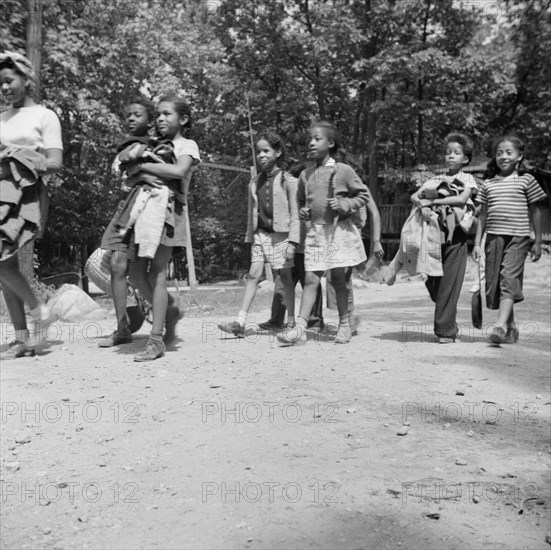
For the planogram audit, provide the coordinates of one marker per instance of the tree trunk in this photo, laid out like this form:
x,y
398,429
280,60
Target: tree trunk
x,y
34,53
372,146
358,118
420,136
34,39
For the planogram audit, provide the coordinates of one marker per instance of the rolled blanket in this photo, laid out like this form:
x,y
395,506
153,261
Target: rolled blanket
x,y
23,197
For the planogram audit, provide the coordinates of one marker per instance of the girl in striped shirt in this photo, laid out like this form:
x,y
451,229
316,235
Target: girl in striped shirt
x,y
508,199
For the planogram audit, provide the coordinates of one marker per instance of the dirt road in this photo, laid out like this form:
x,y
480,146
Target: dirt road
x,y
245,444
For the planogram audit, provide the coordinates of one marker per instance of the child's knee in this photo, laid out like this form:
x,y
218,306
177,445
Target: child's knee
x,y
255,271
338,277
311,279
119,268
156,274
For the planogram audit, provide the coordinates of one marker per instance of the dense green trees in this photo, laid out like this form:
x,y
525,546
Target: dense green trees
x,y
395,76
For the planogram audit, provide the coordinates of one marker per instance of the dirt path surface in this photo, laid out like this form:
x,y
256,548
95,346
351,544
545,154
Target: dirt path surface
x,y
230,443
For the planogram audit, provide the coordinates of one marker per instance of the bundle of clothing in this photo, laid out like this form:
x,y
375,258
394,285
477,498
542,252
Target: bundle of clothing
x,y
23,197
450,216
150,203
421,241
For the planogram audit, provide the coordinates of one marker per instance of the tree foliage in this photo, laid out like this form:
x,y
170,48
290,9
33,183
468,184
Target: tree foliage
x,y
394,76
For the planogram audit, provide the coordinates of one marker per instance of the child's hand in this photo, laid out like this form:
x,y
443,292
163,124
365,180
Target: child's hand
x,y
378,251
133,169
335,205
415,200
535,252
426,213
290,252
476,253
305,213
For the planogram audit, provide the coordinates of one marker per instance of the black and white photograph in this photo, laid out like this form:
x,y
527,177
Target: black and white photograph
x,y
275,274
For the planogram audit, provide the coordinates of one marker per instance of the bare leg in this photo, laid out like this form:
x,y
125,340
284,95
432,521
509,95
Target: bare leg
x,y
16,307
237,327
17,291
138,277
338,279
311,283
506,314
255,272
157,280
289,286
13,278
119,288
504,330
297,335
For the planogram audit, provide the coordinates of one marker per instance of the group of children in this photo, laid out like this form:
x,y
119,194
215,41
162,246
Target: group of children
x,y
303,227
315,216
328,197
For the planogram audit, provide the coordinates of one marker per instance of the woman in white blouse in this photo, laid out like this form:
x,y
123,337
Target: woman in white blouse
x,y
30,139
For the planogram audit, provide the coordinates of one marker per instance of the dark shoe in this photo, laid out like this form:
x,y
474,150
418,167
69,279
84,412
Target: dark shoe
x,y
270,326
17,349
329,329
497,334
173,315
153,350
115,339
135,317
511,336
315,323
234,328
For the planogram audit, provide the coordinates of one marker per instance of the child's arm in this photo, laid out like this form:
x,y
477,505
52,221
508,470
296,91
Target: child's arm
x,y
458,200
292,198
165,171
375,228
536,213
304,211
481,226
357,193
418,198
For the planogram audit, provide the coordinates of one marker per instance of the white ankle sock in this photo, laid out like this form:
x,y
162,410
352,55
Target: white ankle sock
x,y
302,322
242,318
41,312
